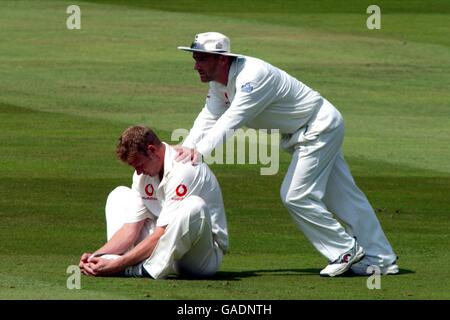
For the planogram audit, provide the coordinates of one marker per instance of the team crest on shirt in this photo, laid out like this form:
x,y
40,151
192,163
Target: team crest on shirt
x,y
149,191
247,87
180,191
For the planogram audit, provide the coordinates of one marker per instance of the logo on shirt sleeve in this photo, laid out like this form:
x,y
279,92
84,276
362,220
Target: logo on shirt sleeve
x,y
149,191
247,87
180,191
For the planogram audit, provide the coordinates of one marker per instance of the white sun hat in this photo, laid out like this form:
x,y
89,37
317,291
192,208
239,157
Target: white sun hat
x,y
211,42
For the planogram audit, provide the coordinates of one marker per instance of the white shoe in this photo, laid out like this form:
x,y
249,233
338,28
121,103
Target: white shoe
x,y
364,269
344,262
136,271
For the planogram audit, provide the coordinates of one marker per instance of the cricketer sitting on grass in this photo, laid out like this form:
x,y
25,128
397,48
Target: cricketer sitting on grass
x,y
248,91
171,222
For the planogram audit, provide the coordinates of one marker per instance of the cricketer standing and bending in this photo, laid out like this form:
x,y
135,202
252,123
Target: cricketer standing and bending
x,y
248,91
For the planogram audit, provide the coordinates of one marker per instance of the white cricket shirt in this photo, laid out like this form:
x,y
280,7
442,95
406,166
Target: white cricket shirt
x,y
257,95
159,200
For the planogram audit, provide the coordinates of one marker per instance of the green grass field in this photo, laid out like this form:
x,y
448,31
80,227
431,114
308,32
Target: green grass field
x,y
66,95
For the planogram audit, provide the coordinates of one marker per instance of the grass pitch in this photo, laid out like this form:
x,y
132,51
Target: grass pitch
x,y
66,95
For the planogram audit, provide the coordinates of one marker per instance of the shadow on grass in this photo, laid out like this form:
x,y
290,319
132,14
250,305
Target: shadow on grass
x,y
350,274
238,275
405,271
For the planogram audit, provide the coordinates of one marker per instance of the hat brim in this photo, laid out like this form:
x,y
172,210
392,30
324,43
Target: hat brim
x,y
211,52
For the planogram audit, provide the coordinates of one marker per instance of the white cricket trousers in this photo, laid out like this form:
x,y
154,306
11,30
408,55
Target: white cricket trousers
x,y
186,247
319,182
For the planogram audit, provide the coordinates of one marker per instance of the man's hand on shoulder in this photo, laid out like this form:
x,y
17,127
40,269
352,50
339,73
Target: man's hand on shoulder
x,y
185,154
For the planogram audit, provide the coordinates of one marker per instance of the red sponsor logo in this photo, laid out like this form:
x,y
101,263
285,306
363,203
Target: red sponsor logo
x,y
181,190
149,190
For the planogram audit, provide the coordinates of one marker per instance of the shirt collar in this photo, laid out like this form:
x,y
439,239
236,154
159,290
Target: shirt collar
x,y
232,73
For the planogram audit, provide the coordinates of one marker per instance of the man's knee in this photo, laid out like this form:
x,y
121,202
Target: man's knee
x,y
117,199
295,200
286,197
120,193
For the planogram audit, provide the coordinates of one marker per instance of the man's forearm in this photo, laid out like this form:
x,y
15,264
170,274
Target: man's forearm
x,y
122,240
143,250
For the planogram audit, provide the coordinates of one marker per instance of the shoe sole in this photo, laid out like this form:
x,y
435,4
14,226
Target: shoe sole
x,y
393,269
359,255
390,270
